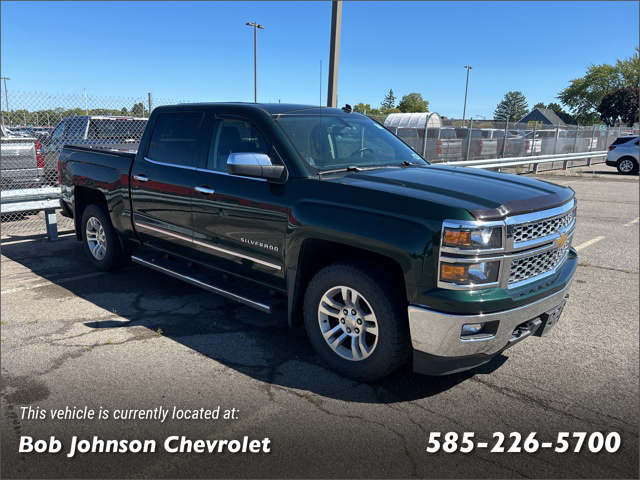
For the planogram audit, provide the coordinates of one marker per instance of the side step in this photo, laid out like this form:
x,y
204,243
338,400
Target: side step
x,y
258,297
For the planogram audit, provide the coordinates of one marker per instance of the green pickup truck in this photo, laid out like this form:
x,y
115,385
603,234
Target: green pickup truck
x,y
325,214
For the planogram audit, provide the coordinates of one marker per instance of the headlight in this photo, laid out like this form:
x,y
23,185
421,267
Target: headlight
x,y
472,238
469,273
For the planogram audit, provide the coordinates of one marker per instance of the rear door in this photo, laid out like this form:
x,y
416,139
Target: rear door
x,y
162,182
239,223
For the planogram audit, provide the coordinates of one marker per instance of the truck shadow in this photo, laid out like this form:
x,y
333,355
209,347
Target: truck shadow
x,y
255,344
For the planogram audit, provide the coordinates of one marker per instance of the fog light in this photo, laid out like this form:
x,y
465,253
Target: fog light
x,y
471,329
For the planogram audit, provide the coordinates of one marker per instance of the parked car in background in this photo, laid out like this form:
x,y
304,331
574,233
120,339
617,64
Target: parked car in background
x,y
474,146
21,161
623,154
489,143
532,146
557,141
513,148
108,132
443,145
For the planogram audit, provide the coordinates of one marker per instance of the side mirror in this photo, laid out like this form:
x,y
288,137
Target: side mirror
x,y
254,165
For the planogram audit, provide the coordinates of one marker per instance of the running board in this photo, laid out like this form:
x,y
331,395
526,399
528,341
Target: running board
x,y
210,281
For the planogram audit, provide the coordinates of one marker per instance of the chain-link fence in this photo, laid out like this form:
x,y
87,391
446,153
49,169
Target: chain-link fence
x,y
35,126
449,140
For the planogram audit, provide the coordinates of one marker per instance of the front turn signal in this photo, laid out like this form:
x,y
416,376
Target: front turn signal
x,y
454,273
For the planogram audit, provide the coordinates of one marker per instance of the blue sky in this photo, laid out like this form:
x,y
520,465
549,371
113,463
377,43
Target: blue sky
x,y
202,51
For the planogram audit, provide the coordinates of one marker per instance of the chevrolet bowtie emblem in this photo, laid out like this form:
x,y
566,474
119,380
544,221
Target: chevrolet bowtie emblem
x,y
562,240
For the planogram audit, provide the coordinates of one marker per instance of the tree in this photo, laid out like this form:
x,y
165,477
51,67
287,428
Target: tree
x,y
512,107
124,111
389,101
413,103
584,94
621,103
539,105
361,107
555,107
139,110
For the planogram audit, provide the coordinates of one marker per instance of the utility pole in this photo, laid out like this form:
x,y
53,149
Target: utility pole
x,y
6,95
334,53
466,89
255,26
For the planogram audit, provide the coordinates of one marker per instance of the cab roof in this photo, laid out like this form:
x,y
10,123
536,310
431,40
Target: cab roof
x,y
274,108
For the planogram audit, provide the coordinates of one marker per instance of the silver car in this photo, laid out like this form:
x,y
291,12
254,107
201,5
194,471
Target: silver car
x,y
21,162
623,154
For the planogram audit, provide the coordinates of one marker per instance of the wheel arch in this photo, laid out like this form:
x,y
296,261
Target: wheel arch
x,y
82,198
316,253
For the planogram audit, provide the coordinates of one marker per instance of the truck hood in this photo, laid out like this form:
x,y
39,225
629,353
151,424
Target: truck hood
x,y
486,195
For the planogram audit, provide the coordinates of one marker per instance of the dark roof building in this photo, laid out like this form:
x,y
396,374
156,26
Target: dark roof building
x,y
547,117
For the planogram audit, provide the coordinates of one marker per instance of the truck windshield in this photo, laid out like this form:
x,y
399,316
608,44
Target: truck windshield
x,y
328,142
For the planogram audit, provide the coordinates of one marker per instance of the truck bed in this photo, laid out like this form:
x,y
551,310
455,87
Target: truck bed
x,y
105,169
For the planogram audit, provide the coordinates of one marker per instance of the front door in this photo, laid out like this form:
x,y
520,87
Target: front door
x,y
162,182
239,223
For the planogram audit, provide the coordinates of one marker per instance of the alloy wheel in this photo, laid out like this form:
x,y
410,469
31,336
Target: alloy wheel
x,y
626,166
348,323
96,238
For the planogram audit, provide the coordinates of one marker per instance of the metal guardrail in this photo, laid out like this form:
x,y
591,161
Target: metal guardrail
x,y
532,160
25,200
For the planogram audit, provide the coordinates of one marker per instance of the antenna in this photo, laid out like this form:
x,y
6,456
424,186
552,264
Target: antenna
x,y
320,84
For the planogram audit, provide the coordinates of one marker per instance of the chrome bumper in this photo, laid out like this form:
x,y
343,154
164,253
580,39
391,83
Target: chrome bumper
x,y
438,334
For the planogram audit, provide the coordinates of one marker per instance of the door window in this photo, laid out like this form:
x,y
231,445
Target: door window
x,y
59,132
174,138
234,136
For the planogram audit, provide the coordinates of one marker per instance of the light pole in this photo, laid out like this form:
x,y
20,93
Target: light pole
x,y
334,53
466,89
255,26
6,95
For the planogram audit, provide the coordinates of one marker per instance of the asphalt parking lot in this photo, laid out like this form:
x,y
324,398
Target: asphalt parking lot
x,y
72,336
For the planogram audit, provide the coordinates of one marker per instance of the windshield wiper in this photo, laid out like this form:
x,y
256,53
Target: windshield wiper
x,y
351,168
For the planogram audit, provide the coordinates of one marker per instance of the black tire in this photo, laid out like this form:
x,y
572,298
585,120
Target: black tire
x,y
386,301
114,258
622,165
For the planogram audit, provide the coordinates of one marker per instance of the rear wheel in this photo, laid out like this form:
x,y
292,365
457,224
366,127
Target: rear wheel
x,y
627,165
100,240
356,320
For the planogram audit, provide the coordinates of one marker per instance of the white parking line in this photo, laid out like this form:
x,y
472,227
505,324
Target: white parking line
x,y
47,282
12,242
588,243
631,222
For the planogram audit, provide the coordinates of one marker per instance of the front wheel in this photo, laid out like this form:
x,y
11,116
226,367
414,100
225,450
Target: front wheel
x,y
100,241
356,320
627,165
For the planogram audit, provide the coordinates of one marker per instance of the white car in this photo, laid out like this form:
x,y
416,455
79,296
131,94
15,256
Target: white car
x,y
623,154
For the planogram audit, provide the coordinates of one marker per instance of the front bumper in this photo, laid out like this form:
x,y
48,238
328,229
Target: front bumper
x,y
440,350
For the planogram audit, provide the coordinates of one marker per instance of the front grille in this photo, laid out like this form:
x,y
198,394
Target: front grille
x,y
543,228
527,267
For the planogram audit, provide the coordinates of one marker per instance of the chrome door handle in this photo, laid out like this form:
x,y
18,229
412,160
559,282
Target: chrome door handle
x,y
205,190
141,178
